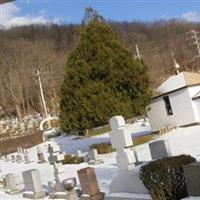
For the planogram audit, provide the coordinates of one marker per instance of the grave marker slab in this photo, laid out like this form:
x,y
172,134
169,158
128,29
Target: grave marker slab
x,y
33,185
192,177
11,185
89,184
159,149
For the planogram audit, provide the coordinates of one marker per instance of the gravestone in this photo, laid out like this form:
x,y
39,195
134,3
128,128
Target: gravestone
x,y
33,186
19,158
79,153
127,179
8,158
40,155
13,158
192,177
159,149
27,158
11,185
94,157
121,140
89,184
55,158
69,185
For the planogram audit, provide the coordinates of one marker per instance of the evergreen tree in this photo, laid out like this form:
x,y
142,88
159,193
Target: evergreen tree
x,y
101,79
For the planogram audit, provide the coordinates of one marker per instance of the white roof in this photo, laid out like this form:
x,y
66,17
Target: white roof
x,y
179,81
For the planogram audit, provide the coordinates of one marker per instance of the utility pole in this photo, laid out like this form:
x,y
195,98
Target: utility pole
x,y
196,40
138,55
42,93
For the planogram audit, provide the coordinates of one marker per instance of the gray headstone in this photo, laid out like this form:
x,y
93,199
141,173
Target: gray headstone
x,y
159,149
93,154
19,158
13,158
41,158
11,185
27,158
79,153
192,177
33,185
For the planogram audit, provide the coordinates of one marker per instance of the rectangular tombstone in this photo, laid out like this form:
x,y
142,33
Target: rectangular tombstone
x,y
88,181
41,158
33,185
159,149
11,184
93,154
192,177
79,153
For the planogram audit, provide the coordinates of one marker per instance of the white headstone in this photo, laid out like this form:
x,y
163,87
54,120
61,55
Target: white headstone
x,y
19,158
127,179
11,185
93,154
33,185
55,158
27,158
122,141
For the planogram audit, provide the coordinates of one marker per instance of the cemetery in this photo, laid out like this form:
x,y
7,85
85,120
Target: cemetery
x,y
80,115
38,172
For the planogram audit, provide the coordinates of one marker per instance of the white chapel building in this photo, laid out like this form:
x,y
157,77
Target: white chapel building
x,y
177,102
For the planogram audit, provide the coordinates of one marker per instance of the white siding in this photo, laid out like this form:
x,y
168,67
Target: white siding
x,y
195,103
183,112
197,109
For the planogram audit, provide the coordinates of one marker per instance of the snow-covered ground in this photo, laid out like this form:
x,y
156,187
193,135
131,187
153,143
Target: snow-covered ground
x,y
182,140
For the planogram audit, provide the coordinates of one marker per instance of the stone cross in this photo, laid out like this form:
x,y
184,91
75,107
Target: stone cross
x,y
122,141
55,158
11,185
89,184
33,185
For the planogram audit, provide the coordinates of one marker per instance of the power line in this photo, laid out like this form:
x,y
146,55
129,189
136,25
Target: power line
x,y
196,40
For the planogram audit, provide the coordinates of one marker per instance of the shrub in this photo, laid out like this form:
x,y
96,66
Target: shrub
x,y
102,148
69,159
164,178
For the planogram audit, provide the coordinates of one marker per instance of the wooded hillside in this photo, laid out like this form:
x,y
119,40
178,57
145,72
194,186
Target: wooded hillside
x,y
25,49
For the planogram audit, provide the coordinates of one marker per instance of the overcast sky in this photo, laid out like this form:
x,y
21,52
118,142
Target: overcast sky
x,y
23,12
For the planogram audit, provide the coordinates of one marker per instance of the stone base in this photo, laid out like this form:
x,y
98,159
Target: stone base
x,y
32,195
72,195
95,162
59,195
127,196
16,191
27,162
128,182
191,198
99,196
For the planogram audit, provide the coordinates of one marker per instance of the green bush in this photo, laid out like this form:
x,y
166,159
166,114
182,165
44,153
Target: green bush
x,y
102,148
68,159
164,178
